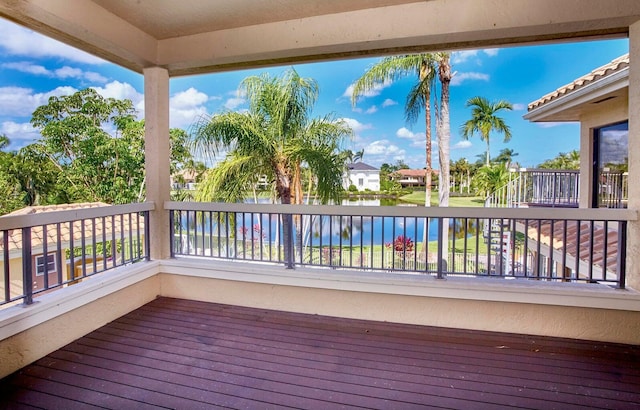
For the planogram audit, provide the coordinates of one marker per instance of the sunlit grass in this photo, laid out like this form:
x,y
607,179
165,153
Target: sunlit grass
x,y
417,197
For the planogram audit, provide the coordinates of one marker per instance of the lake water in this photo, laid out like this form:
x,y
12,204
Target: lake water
x,y
335,230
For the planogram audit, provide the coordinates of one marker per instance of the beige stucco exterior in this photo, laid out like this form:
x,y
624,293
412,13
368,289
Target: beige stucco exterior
x,y
63,316
606,113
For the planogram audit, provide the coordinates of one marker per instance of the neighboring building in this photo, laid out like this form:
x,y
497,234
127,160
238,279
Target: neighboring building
x,y
184,179
598,100
46,252
414,177
363,176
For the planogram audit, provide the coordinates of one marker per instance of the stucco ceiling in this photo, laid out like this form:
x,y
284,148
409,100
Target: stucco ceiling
x,y
198,36
164,19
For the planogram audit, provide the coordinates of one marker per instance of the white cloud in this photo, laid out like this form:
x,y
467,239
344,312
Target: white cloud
x,y
121,91
356,125
375,90
68,72
19,41
405,133
188,99
459,78
237,99
462,145
233,103
417,138
62,73
491,52
458,57
19,134
186,107
383,148
21,102
371,110
519,107
388,103
26,67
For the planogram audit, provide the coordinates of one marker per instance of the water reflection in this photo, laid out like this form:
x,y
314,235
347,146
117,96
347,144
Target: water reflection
x,y
325,230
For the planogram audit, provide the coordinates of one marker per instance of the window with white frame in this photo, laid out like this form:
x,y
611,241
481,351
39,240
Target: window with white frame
x,y
49,259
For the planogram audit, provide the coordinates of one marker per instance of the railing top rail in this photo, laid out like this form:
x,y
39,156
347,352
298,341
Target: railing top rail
x,y
550,170
22,221
412,211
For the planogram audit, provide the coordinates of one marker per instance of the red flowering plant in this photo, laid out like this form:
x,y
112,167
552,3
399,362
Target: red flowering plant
x,y
402,243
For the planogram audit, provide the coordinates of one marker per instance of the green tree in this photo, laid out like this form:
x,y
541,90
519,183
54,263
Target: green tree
x,y
273,138
570,160
484,121
4,141
505,156
489,178
461,172
423,66
93,164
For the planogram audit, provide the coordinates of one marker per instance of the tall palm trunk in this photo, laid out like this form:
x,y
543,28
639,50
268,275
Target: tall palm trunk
x,y
486,138
283,189
444,135
424,73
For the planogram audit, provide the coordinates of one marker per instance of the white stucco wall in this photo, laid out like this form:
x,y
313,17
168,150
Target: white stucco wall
x,y
370,180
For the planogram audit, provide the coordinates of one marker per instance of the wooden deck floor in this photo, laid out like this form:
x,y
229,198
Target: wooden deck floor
x,y
189,355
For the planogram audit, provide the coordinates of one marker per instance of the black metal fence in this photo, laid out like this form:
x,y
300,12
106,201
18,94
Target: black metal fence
x,y
560,245
49,250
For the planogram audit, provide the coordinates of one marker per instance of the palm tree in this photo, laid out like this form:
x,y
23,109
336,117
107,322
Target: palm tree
x,y
419,98
489,178
484,120
505,156
4,141
274,138
564,160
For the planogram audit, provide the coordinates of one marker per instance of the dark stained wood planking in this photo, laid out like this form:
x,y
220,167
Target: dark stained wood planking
x,y
174,353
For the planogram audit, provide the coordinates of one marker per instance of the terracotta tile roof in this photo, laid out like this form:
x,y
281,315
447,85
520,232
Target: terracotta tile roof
x,y
100,229
412,172
416,172
606,70
578,236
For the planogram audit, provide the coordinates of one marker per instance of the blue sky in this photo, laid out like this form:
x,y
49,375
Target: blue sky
x,y
33,67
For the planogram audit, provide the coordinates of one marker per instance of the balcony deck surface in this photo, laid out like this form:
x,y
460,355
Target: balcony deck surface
x,y
184,354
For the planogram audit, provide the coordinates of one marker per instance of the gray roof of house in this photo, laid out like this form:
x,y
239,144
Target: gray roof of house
x,y
361,166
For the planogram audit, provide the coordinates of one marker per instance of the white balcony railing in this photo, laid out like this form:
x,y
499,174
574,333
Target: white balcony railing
x,y
559,188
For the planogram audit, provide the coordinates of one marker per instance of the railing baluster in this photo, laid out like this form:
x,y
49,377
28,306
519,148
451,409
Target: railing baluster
x,y
5,266
622,254
94,254
27,266
440,264
45,255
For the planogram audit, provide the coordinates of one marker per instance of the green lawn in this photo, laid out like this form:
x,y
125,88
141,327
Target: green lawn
x,y
417,197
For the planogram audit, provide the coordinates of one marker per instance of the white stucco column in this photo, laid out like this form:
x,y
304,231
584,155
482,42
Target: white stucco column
x,y
157,156
633,248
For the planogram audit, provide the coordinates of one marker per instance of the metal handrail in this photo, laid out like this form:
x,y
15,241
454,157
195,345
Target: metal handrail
x,y
509,243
